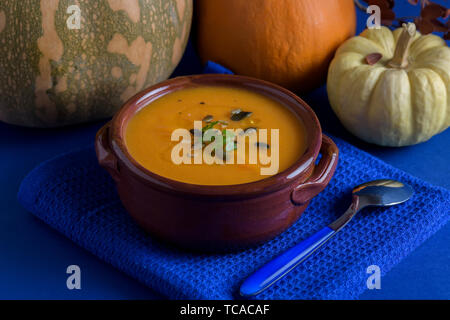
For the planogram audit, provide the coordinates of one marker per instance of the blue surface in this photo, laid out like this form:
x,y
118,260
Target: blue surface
x,y
34,257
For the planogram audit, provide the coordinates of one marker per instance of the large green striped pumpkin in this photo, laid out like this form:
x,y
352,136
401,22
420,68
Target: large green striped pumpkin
x,y
53,74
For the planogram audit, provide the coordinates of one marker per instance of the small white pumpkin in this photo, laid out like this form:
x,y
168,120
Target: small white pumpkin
x,y
402,99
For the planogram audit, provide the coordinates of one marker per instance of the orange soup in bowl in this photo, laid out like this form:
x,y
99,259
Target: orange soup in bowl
x,y
215,135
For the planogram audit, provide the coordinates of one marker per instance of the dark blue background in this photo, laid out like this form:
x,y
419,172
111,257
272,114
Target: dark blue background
x,y
34,258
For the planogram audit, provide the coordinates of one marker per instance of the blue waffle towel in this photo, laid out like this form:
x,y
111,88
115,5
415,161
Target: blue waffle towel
x,y
78,198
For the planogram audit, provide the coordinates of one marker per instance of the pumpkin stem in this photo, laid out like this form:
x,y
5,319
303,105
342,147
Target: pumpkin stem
x,y
400,59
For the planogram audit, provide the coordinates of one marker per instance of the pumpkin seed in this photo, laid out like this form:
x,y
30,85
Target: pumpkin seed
x,y
262,145
373,58
241,115
208,118
195,132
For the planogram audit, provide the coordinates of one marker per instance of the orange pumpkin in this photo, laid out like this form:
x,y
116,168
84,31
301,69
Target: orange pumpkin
x,y
289,42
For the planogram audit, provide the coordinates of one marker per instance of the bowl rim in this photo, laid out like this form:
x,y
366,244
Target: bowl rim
x,y
297,173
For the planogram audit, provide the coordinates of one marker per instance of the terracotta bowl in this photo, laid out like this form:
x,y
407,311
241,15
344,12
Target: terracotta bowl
x,y
216,217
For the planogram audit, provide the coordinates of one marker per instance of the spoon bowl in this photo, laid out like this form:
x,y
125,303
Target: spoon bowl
x,y
383,192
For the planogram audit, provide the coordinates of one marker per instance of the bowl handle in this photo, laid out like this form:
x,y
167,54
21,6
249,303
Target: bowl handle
x,y
321,175
104,154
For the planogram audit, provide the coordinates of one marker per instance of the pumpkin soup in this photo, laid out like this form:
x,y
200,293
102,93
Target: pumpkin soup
x,y
254,132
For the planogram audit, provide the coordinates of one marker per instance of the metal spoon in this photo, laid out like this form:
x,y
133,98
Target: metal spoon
x,y
374,193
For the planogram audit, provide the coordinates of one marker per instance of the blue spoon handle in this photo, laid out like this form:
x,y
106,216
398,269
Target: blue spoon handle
x,y
281,265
